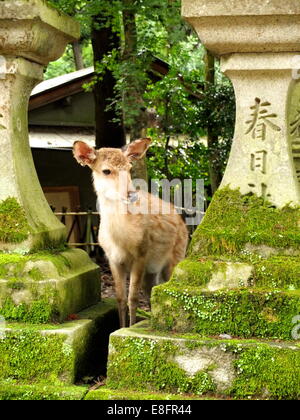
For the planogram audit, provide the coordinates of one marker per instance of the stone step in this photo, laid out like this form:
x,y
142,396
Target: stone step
x,y
143,360
47,287
242,312
42,392
57,354
216,273
106,394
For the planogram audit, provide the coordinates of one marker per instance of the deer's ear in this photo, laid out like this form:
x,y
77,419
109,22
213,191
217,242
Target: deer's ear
x,y
137,149
83,153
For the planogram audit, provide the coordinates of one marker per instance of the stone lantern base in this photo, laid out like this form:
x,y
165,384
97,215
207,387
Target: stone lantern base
x,y
37,355
227,323
241,277
47,334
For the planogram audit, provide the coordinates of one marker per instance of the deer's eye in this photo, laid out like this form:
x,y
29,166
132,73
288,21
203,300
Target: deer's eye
x,y
106,171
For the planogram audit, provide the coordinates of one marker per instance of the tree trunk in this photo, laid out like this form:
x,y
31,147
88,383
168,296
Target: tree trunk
x,y
212,139
108,132
77,55
133,97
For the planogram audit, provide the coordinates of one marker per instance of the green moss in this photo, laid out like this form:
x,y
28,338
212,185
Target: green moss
x,y
41,392
146,365
48,244
106,394
38,304
277,272
192,339
59,260
239,368
195,273
53,285
233,220
271,372
36,274
239,312
13,222
61,353
10,258
38,312
28,356
12,265
15,284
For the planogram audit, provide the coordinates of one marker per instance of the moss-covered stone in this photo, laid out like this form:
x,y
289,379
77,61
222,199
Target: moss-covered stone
x,y
240,312
13,223
242,274
267,371
47,286
141,360
248,270
212,273
38,311
232,221
147,364
9,392
58,354
46,243
28,356
105,394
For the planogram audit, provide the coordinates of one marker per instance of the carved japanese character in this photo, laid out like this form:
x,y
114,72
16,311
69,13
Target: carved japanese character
x,y
261,120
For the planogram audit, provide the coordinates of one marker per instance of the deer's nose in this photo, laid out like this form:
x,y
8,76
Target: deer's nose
x,y
133,196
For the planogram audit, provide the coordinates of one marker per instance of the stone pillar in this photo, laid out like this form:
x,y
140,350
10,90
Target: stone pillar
x,y
41,281
242,272
265,147
258,45
31,35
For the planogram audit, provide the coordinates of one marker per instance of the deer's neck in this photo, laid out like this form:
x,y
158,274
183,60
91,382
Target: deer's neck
x,y
111,208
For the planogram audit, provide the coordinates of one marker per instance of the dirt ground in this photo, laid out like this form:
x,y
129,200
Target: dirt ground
x,y
108,289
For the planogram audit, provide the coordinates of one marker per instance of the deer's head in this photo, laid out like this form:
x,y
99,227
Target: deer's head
x,y
111,168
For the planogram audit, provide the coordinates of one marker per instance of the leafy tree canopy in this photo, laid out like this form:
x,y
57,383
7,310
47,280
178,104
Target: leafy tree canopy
x,y
185,104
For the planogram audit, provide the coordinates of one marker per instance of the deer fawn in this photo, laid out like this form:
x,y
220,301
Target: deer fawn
x,y
144,246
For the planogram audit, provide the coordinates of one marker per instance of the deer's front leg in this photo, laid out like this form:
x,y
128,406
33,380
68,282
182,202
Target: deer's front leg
x,y
136,279
119,276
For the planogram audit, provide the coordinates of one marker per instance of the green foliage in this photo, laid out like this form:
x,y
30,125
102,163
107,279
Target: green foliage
x,y
184,104
37,302
66,63
184,159
12,265
276,272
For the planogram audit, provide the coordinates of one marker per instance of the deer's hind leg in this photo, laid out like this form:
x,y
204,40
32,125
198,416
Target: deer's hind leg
x,y
149,281
167,272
